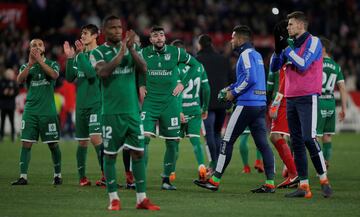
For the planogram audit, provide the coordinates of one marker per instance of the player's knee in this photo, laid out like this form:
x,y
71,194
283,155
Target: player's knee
x,y
27,144
52,145
83,143
96,139
109,157
327,138
136,155
274,137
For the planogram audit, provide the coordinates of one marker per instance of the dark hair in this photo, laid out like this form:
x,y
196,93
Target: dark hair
x,y
157,29
205,40
326,43
93,29
108,18
243,31
299,15
178,43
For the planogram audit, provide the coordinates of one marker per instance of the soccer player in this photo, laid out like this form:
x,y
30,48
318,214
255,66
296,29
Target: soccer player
x,y
163,87
88,105
303,78
249,92
194,111
326,110
40,117
115,63
279,125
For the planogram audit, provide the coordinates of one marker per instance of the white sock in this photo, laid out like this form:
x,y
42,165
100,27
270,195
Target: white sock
x,y
140,197
23,175
57,175
114,196
323,176
305,181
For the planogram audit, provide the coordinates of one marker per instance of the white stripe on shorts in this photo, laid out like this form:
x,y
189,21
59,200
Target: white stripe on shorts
x,y
314,116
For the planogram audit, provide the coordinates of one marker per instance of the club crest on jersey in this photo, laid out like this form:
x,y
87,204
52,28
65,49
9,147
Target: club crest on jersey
x,y
52,127
174,122
93,118
167,56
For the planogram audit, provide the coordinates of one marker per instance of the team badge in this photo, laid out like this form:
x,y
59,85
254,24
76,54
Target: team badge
x,y
167,56
93,118
174,122
52,127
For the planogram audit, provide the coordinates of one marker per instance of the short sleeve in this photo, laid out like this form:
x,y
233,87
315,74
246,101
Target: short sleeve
x,y
95,57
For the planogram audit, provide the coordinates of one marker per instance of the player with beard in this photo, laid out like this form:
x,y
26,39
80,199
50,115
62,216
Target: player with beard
x,y
40,117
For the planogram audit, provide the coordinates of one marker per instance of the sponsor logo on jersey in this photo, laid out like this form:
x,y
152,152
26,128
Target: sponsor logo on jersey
x,y
122,70
39,83
160,72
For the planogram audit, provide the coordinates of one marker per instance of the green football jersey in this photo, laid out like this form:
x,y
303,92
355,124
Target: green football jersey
x,y
272,86
118,91
198,82
40,96
88,86
331,75
163,73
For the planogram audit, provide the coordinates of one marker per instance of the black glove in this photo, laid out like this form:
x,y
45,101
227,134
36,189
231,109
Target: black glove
x,y
280,35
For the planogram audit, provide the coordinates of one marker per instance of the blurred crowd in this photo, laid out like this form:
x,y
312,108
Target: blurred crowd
x,y
58,20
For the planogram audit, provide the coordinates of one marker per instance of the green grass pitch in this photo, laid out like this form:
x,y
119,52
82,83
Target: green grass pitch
x,y
41,198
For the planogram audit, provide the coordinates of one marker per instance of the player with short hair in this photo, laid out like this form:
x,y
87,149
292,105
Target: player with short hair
x,y
115,62
249,92
302,56
332,75
88,105
161,95
40,117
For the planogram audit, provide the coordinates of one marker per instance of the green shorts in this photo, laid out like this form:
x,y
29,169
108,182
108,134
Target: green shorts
x,y
47,126
326,117
192,126
122,131
168,115
88,122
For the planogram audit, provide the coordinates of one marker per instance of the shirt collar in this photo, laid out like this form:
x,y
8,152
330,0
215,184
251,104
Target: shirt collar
x,y
299,41
243,47
162,51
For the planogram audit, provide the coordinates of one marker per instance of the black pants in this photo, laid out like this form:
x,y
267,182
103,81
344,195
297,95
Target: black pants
x,y
213,125
254,118
301,113
10,113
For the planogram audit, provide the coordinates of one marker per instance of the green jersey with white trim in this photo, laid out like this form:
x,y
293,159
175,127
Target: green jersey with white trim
x,y
40,96
88,86
331,75
163,73
197,84
118,91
